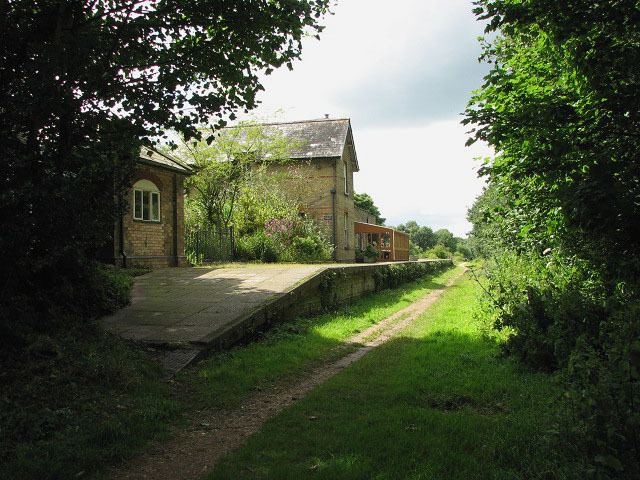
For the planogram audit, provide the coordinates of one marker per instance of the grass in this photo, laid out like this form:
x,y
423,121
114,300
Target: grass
x,y
78,399
292,348
434,403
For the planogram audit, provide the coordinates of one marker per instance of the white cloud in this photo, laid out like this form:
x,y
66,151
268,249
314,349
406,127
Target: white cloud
x,y
424,173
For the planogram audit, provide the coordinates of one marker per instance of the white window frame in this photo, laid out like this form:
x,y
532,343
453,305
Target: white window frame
x,y
147,189
346,230
346,177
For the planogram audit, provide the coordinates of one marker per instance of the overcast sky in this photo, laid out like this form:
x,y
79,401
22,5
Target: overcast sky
x,y
403,72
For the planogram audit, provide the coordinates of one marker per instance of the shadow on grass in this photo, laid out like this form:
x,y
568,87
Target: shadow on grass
x,y
441,406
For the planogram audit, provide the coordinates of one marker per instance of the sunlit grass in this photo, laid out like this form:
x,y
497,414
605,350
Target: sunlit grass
x,y
435,403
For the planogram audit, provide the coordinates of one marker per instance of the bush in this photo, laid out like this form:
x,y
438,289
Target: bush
x,y
546,303
257,247
75,291
439,251
310,249
560,315
112,287
390,276
285,240
603,393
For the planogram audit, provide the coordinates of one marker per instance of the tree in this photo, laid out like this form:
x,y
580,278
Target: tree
x,y
83,82
365,202
421,236
492,219
445,238
226,166
560,106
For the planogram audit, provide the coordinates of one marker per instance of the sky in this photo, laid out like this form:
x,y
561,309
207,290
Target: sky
x,y
402,72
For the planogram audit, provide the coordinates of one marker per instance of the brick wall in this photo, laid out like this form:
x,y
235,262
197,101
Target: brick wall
x,y
364,216
345,238
310,182
151,243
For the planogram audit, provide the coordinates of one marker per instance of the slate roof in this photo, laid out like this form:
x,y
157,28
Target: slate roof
x,y
321,138
152,157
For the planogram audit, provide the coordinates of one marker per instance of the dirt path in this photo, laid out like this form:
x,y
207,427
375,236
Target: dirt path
x,y
194,451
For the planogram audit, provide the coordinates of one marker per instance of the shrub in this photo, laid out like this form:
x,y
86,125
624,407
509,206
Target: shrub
x,y
546,302
390,276
603,393
439,251
560,315
257,247
371,252
82,290
286,240
112,287
310,249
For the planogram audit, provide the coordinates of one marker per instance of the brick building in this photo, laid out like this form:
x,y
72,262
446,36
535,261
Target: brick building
x,y
325,160
151,231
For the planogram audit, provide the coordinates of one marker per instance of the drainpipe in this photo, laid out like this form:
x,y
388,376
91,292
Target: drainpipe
x,y
121,235
334,233
175,220
121,213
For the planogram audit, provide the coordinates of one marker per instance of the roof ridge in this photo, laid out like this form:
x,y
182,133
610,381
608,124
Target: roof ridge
x,y
179,162
292,122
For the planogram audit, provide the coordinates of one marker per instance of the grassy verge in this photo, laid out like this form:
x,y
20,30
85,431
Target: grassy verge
x,y
434,403
76,400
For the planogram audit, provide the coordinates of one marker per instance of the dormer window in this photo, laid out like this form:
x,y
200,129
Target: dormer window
x,y
146,201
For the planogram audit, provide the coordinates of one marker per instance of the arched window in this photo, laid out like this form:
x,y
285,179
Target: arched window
x,y
146,201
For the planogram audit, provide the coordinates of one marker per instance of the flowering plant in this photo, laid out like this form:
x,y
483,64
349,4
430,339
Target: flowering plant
x,y
281,229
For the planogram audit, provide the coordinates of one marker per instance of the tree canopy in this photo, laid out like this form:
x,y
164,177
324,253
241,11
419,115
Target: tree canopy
x,y
365,202
161,64
226,166
561,107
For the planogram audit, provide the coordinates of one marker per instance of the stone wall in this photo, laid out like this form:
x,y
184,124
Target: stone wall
x,y
334,286
152,243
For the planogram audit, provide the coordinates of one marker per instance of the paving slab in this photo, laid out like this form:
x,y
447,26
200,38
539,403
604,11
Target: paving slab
x,y
187,306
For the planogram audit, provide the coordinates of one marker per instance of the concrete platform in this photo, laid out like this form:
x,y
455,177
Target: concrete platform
x,y
188,311
176,307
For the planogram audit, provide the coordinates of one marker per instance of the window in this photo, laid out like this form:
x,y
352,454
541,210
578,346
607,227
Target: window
x,y
346,178
146,201
346,230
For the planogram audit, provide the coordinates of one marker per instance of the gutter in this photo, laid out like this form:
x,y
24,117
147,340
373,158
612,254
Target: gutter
x,y
334,233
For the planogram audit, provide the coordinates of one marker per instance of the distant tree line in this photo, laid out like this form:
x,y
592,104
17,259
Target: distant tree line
x,y
440,243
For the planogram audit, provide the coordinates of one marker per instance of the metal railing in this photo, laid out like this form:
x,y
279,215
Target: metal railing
x,y
209,245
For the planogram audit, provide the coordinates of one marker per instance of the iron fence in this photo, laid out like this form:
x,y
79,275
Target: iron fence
x,y
203,246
